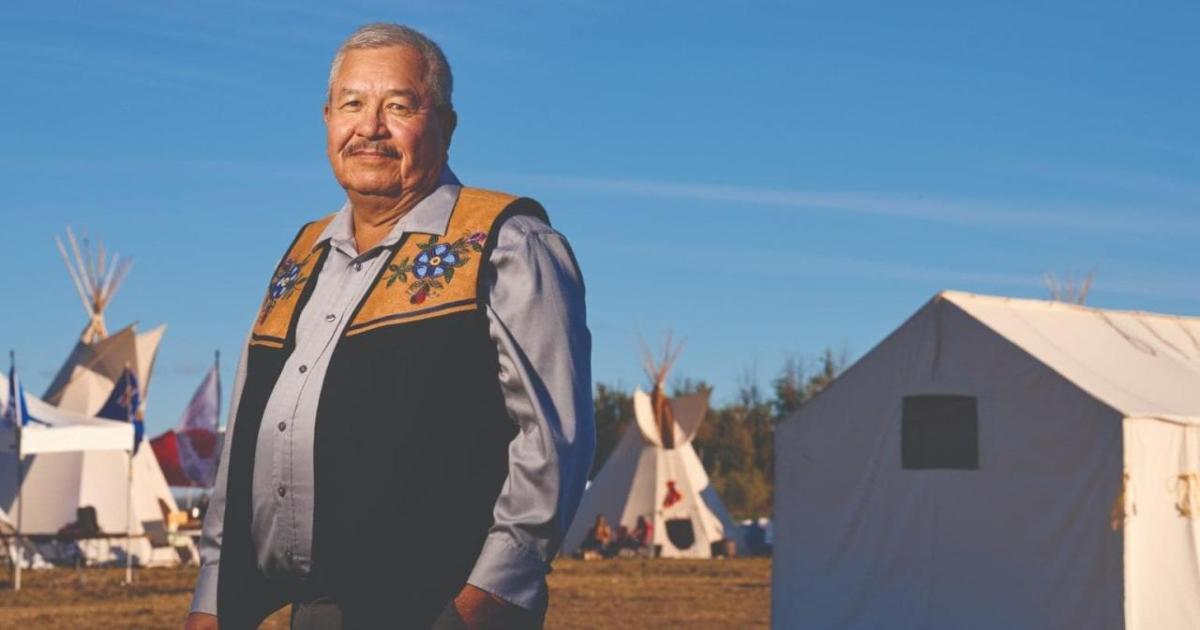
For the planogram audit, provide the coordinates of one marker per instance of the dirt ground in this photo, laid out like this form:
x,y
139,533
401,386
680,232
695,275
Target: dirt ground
x,y
626,593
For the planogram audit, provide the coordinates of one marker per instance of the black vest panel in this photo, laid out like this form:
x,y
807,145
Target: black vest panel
x,y
410,454
410,457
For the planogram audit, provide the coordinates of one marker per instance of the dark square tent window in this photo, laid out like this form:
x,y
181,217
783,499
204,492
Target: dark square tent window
x,y
940,432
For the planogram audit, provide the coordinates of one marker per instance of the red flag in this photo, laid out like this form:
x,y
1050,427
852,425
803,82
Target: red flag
x,y
188,455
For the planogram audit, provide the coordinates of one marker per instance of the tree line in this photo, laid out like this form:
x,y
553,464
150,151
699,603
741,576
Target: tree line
x,y
736,442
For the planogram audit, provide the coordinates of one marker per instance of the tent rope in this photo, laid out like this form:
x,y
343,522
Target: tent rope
x,y
1187,489
1122,508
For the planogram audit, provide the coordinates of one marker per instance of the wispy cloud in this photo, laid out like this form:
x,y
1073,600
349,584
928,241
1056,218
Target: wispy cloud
x,y
1148,185
172,167
965,212
798,265
123,68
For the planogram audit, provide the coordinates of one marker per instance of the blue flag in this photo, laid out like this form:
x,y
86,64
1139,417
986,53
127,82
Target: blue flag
x,y
125,405
17,412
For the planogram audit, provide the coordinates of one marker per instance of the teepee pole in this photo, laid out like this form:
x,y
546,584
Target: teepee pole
x,y
91,265
96,275
118,278
74,276
95,327
657,370
81,267
107,281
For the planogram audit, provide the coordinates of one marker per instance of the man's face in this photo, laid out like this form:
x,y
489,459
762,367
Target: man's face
x,y
384,135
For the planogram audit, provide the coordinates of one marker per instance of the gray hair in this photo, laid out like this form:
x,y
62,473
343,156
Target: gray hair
x,y
438,78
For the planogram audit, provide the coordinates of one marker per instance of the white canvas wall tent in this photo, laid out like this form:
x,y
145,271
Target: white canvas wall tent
x,y
654,472
83,461
998,463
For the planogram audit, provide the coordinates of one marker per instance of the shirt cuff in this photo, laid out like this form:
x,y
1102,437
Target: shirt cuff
x,y
511,572
205,598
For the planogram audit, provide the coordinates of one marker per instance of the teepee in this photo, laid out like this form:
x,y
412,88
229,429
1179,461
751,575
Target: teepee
x,y
90,372
56,484
654,472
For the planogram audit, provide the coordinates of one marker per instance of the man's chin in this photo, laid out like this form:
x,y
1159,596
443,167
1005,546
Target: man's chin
x,y
373,188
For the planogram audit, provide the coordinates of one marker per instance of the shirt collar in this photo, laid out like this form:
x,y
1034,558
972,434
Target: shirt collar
x,y
431,215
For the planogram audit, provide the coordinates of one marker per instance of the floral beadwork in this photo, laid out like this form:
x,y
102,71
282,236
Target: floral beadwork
x,y
433,268
288,276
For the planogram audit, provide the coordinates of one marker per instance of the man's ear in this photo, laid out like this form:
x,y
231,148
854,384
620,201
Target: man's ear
x,y
449,124
325,112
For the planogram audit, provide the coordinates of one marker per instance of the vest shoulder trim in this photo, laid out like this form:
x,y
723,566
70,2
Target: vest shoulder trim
x,y
432,275
292,274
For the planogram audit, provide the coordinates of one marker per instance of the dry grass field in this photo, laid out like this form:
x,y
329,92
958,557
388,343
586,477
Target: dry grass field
x,y
627,593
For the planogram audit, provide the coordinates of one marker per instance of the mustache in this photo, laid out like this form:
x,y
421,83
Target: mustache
x,y
368,146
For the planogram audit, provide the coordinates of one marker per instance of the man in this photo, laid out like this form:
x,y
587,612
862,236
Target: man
x,y
412,419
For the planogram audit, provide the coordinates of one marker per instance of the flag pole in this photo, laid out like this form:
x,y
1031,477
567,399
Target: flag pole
x,y
129,496
129,523
20,513
16,404
217,368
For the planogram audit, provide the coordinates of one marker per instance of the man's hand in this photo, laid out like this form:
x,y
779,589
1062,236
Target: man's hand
x,y
200,621
480,610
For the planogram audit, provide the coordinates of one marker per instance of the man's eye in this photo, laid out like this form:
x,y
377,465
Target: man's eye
x,y
400,108
351,104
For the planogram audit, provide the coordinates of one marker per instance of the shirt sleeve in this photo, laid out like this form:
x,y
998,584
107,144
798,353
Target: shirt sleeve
x,y
204,599
538,321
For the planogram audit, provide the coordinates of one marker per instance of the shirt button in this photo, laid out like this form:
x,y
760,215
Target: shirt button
x,y
282,491
303,369
358,266
330,317
282,426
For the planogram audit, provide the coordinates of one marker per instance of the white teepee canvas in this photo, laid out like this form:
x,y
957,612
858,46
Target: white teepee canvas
x,y
654,472
56,484
87,377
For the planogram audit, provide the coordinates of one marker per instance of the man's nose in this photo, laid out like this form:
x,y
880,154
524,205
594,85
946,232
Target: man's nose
x,y
370,123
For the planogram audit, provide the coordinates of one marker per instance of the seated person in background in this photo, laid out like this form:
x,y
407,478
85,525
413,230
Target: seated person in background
x,y
620,541
86,524
599,537
643,534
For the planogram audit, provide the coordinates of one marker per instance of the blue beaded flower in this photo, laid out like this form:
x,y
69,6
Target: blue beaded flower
x,y
435,262
287,277
434,267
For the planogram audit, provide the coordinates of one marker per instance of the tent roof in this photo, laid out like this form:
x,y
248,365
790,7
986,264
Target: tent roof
x,y
67,431
1141,364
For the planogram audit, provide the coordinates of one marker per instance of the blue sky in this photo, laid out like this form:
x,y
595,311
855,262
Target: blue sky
x,y
762,179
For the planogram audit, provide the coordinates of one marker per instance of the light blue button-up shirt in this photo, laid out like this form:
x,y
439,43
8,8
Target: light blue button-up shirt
x,y
536,316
